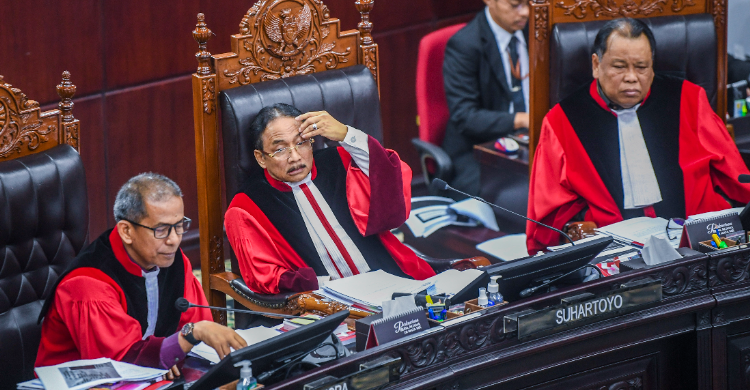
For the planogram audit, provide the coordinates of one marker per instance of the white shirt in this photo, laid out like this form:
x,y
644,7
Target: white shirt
x,y
309,199
502,38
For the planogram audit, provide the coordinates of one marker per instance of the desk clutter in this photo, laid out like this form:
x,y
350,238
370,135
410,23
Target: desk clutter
x,y
399,308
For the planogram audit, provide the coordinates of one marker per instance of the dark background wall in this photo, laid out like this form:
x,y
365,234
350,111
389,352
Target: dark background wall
x,y
132,60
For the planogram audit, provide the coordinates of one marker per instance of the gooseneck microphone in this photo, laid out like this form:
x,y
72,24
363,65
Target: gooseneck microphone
x,y
438,184
182,305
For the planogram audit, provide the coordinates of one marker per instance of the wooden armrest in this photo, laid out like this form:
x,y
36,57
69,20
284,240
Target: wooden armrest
x,y
274,304
284,303
470,263
580,229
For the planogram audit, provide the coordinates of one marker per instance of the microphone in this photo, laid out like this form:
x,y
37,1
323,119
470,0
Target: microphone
x,y
182,305
440,185
744,179
525,293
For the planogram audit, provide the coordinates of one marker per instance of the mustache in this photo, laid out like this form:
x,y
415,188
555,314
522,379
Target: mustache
x,y
296,167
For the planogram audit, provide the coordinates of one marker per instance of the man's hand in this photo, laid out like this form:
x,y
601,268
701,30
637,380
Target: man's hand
x,y
173,373
216,336
321,123
521,120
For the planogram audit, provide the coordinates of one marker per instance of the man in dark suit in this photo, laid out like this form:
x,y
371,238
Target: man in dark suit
x,y
485,72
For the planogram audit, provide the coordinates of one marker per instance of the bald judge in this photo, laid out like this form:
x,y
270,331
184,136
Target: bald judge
x,y
318,215
630,144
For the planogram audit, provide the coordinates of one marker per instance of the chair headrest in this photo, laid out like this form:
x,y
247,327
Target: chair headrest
x,y
350,95
685,47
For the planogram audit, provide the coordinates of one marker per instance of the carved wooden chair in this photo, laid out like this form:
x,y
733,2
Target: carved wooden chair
x,y
288,51
43,217
691,41
690,38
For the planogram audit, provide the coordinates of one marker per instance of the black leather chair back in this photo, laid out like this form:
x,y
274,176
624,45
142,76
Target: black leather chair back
x,y
43,226
685,47
349,94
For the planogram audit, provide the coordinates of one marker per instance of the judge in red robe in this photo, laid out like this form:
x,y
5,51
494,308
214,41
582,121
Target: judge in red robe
x,y
630,144
117,298
324,214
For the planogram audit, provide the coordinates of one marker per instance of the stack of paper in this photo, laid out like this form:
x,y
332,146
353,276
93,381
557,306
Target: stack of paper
x,y
371,288
637,231
83,374
251,336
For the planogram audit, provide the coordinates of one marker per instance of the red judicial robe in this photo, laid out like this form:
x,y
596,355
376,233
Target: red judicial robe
x,y
99,308
577,163
274,249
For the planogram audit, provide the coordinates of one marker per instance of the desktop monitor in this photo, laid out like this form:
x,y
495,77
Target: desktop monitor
x,y
520,274
271,353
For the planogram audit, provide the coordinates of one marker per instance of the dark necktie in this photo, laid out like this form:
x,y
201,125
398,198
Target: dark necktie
x,y
516,89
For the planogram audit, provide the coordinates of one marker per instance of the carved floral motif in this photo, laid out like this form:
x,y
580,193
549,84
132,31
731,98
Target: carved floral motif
x,y
71,134
717,10
540,22
20,128
728,270
209,94
216,254
448,345
290,41
609,8
683,279
371,60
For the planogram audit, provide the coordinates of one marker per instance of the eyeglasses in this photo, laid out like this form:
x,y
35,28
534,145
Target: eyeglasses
x,y
163,231
675,224
282,153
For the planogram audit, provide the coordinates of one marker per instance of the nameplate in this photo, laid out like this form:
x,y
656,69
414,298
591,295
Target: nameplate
x,y
371,375
584,309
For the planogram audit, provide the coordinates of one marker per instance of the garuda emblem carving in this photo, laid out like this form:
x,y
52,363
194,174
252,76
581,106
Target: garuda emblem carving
x,y
290,31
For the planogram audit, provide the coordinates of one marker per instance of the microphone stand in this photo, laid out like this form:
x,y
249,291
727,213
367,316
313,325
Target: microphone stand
x,y
438,183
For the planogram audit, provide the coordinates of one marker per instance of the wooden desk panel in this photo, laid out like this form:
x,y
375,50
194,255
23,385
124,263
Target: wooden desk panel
x,y
697,337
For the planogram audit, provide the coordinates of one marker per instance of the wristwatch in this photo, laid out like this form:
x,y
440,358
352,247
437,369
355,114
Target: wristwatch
x,y
187,333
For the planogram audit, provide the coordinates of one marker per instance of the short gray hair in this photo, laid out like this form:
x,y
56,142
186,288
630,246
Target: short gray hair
x,y
130,203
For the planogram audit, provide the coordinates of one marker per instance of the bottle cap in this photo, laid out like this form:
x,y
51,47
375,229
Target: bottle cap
x,y
482,300
246,371
493,286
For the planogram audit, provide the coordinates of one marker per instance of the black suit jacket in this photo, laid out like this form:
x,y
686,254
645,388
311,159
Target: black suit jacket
x,y
476,89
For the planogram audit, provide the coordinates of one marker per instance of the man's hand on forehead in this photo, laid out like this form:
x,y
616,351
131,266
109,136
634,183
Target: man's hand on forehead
x,y
321,123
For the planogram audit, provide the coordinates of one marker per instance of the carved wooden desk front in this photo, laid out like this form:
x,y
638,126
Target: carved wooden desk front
x,y
697,337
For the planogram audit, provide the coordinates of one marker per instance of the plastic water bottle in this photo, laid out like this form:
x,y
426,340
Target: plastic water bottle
x,y
247,381
493,288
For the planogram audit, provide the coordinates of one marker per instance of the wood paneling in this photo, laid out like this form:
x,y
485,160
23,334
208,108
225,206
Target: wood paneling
x,y
150,128
41,39
148,40
89,112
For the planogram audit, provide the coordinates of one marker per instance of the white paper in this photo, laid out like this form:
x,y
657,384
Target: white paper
x,y
83,374
478,211
371,288
452,281
510,247
251,336
398,306
639,230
